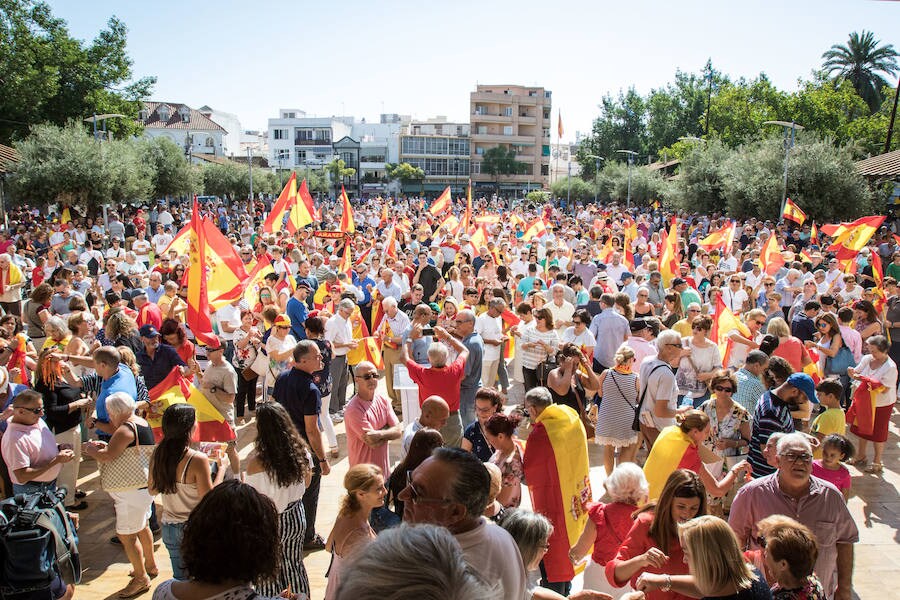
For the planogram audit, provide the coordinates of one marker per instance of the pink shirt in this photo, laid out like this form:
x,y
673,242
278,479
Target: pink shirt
x,y
360,415
839,478
29,446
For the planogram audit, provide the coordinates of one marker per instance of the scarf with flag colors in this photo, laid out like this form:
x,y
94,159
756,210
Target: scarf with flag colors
x,y
176,389
861,414
17,360
558,475
672,450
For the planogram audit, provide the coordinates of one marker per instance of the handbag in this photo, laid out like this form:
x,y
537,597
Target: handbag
x,y
261,362
544,367
840,362
589,430
130,470
636,423
249,374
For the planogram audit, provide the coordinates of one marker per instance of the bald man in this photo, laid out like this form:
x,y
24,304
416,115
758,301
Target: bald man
x,y
435,413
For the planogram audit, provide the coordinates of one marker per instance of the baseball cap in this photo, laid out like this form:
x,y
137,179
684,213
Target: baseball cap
x,y
636,325
678,281
627,275
304,284
148,331
282,321
805,384
137,292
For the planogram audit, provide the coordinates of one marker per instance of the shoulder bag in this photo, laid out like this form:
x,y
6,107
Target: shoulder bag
x,y
130,470
636,423
840,362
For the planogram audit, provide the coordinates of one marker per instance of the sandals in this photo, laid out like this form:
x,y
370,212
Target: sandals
x,y
335,452
135,587
875,468
151,574
860,463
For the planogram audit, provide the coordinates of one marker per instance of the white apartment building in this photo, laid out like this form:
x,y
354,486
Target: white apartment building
x,y
188,128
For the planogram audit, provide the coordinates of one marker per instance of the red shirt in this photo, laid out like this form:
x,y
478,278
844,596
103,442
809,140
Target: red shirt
x,y
151,314
792,350
442,381
613,521
639,541
186,350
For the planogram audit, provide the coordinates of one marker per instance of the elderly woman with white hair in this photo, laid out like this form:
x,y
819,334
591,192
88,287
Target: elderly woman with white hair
x,y
609,523
131,444
58,333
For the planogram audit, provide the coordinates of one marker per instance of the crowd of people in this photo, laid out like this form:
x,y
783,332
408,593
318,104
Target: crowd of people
x,y
725,452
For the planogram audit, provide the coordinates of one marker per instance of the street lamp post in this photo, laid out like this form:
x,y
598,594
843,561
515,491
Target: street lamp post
x,y
788,144
597,160
250,166
631,154
93,119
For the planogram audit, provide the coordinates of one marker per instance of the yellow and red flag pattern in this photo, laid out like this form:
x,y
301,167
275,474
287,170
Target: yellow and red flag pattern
x,y
347,224
770,258
536,228
197,298
176,389
725,321
303,211
442,203
559,126
850,238
286,199
792,212
368,349
721,239
668,262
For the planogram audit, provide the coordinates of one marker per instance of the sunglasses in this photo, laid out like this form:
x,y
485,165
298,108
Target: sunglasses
x,y
34,411
822,325
794,457
368,376
727,390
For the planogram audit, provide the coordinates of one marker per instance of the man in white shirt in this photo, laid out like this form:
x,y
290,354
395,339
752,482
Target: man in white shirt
x,y
339,332
229,318
629,286
659,390
734,295
520,265
162,239
490,327
387,286
561,310
91,254
615,269
165,218
834,276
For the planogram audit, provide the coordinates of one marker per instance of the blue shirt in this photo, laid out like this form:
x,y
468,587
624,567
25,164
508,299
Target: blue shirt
x,y
297,311
361,284
155,369
122,381
610,330
154,296
296,391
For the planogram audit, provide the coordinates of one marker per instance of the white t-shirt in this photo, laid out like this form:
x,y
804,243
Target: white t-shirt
x,y
493,554
562,313
490,329
142,249
161,241
231,315
735,300
660,386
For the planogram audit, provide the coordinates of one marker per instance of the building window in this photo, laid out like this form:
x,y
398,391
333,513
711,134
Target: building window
x,y
163,112
482,130
532,93
547,94
302,136
508,111
290,115
476,168
479,151
507,130
545,170
280,134
210,142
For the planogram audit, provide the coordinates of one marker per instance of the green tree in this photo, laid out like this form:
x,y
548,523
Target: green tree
x,y
405,173
537,197
499,161
337,170
48,76
581,190
698,186
63,164
620,126
646,185
861,61
676,111
226,179
739,109
317,182
171,174
827,107
822,180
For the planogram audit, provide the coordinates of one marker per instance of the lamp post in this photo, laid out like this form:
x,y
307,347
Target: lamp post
x,y
456,169
631,154
250,166
788,144
93,119
597,160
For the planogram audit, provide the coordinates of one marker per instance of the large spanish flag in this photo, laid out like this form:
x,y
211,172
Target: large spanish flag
x,y
197,299
176,389
850,238
180,242
558,475
721,239
536,228
302,212
442,203
347,224
725,321
770,258
672,450
368,349
286,199
793,213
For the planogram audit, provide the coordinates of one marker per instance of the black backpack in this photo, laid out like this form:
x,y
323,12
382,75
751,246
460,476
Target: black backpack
x,y
38,543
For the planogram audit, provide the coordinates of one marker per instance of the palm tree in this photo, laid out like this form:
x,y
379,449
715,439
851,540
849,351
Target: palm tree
x,y
860,62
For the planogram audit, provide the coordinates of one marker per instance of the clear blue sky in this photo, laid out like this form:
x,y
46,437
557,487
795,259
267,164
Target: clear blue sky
x,y
423,58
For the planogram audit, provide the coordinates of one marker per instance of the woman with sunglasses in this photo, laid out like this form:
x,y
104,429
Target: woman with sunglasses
x,y
177,273
364,484
829,343
699,363
537,343
265,298
729,428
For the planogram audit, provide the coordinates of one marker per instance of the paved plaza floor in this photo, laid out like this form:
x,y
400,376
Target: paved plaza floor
x,y
875,505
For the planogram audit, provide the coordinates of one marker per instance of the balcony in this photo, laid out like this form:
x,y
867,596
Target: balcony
x,y
502,139
495,98
526,120
490,118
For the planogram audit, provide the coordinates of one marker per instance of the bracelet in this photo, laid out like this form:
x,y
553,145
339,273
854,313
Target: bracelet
x,y
668,585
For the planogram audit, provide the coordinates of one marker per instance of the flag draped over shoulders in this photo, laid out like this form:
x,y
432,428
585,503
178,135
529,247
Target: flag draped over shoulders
x,y
558,475
672,450
176,389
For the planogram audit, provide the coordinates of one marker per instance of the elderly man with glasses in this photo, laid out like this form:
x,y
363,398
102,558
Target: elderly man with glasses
x,y
793,491
370,421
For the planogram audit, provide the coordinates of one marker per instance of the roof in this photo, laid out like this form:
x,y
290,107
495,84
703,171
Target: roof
x,y
219,160
658,165
883,165
7,155
197,121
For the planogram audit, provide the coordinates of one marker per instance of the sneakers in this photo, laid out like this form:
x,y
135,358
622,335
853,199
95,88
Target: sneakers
x,y
316,543
337,417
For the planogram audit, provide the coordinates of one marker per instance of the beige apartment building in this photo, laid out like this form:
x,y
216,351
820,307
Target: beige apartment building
x,y
516,117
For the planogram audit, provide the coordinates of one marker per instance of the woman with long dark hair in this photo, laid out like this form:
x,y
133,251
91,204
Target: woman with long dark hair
x,y
279,468
181,476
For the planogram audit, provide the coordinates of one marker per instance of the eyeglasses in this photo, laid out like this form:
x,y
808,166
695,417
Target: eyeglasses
x,y
461,321
768,284
727,390
34,411
415,496
368,376
794,457
822,325
283,326
760,322
690,310
486,411
676,345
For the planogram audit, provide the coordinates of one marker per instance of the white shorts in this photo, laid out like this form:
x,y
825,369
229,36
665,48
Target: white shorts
x,y
132,510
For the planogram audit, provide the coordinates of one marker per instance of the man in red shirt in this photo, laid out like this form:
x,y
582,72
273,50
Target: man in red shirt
x,y
439,379
148,313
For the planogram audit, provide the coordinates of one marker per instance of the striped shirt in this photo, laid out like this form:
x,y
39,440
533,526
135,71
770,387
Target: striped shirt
x,y
772,415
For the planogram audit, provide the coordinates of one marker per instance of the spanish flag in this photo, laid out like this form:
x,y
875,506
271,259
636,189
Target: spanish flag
x,y
467,218
536,228
558,474
442,203
377,310
770,258
878,290
725,321
559,129
197,299
286,199
302,212
793,213
180,243
668,262
66,215
850,238
672,450
861,414
346,265
347,224
175,389
721,239
814,234
369,349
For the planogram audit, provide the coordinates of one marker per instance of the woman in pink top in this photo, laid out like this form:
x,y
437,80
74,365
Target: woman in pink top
x,y
789,348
